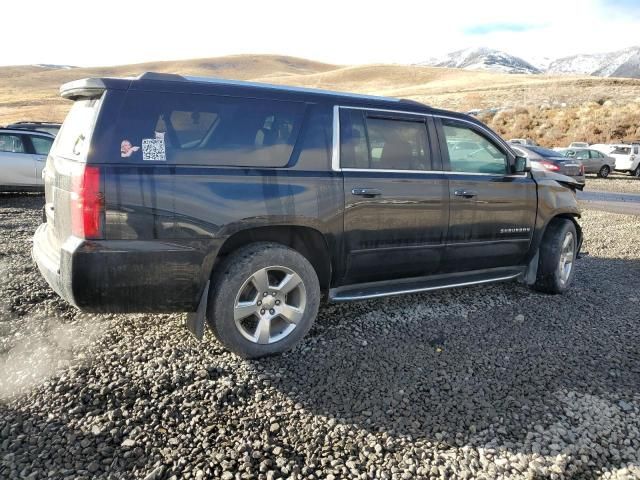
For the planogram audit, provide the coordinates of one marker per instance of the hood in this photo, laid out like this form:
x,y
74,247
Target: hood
x,y
563,180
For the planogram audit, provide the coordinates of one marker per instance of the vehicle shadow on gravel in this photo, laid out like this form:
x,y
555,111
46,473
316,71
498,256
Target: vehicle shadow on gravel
x,y
478,366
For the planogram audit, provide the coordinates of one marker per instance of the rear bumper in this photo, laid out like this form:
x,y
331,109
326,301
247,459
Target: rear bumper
x,y
124,275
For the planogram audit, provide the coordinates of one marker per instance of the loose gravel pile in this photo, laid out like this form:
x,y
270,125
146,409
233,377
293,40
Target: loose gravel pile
x,y
485,382
613,183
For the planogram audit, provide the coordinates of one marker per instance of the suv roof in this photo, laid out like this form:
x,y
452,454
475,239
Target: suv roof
x,y
91,87
23,131
28,122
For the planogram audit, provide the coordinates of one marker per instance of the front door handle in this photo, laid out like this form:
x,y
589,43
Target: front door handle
x,y
366,192
465,193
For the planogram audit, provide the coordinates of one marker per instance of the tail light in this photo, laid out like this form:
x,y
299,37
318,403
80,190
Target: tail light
x,y
87,204
549,166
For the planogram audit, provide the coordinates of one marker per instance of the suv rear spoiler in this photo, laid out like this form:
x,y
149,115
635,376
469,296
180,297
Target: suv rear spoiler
x,y
85,88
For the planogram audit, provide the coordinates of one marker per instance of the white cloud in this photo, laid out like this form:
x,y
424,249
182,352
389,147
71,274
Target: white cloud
x,y
404,31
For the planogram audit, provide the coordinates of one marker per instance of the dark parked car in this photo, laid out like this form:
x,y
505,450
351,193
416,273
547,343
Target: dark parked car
x,y
48,127
246,204
550,160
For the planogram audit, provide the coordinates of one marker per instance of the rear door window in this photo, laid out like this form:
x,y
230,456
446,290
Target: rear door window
x,y
208,130
398,144
11,143
369,141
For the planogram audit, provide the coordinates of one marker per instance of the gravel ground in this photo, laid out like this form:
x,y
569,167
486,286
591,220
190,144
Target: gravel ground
x,y
613,183
484,382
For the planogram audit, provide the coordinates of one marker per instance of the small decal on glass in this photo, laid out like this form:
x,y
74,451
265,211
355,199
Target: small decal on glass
x,y
153,149
127,148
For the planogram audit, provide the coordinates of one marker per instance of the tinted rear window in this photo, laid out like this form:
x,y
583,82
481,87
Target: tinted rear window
x,y
621,150
208,130
75,134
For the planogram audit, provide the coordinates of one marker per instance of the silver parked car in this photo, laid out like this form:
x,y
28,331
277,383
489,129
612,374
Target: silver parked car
x,y
552,161
23,154
593,160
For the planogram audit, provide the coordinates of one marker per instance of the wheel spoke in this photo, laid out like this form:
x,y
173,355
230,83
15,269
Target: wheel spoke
x,y
263,330
260,280
291,314
244,309
288,283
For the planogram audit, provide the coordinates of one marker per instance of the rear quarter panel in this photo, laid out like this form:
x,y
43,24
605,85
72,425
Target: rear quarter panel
x,y
199,207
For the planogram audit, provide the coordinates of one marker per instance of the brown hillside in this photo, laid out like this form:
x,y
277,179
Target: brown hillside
x,y
549,109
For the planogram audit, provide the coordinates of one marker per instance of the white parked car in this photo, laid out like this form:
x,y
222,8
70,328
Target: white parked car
x,y
578,145
626,155
23,154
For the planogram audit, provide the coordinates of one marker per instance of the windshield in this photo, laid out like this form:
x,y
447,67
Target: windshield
x,y
73,140
545,152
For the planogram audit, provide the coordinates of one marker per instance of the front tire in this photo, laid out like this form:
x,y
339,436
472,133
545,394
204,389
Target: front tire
x,y
264,300
604,171
557,257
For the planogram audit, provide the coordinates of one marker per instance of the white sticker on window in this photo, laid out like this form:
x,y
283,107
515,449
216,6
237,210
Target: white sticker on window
x,y
153,149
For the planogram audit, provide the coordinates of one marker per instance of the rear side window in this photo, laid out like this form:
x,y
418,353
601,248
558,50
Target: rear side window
x,y
11,143
471,152
75,134
208,130
371,142
595,154
315,142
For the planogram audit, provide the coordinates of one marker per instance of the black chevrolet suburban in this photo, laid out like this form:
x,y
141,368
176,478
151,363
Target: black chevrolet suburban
x,y
247,204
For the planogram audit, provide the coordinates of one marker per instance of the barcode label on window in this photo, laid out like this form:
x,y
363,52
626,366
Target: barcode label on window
x,y
153,149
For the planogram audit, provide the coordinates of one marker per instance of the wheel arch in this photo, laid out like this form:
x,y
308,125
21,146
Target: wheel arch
x,y
307,241
532,267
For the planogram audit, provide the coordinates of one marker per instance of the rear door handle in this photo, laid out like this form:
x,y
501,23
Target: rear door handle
x,y
366,192
465,193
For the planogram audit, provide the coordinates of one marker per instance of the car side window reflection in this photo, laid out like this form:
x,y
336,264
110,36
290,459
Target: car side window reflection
x,y
41,145
471,152
11,143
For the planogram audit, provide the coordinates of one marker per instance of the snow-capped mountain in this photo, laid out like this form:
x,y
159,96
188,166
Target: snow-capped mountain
x,y
483,59
52,66
621,63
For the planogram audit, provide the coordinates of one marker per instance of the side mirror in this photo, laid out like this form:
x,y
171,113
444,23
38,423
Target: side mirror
x,y
521,165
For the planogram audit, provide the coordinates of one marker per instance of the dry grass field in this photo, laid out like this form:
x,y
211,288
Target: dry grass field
x,y
551,110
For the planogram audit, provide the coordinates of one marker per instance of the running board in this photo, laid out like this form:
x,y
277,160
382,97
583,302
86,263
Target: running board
x,y
364,291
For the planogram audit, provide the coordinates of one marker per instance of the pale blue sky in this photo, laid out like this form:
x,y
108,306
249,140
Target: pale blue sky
x,y
85,33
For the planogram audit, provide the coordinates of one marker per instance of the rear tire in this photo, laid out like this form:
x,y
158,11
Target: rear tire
x,y
264,300
636,172
557,257
604,171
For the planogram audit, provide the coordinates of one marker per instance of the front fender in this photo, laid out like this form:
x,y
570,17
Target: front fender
x,y
555,200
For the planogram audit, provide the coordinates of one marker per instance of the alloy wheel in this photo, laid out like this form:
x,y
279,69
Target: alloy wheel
x,y
567,257
269,305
